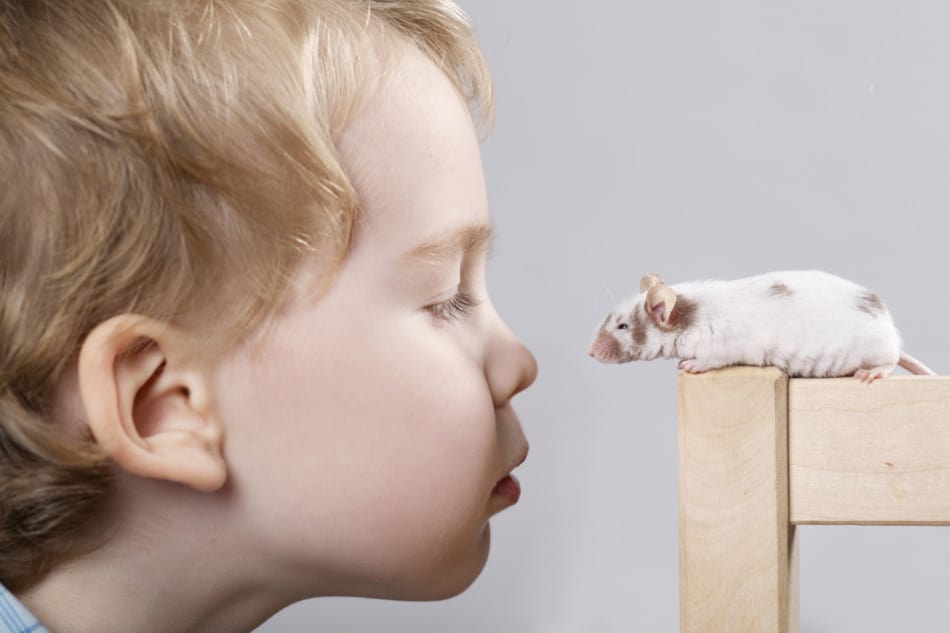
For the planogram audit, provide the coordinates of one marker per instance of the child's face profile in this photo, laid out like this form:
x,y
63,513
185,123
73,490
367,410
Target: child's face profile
x,y
368,429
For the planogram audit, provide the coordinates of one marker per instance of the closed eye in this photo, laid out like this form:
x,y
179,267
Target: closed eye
x,y
453,309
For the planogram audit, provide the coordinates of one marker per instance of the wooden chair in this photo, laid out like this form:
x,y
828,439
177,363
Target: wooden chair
x,y
761,453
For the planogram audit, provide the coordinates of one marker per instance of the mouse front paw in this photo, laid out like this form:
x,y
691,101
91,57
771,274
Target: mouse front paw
x,y
693,366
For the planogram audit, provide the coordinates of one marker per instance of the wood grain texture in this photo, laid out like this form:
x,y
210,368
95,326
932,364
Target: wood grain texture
x,y
738,553
874,454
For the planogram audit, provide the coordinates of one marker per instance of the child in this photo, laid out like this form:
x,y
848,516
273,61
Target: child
x,y
247,354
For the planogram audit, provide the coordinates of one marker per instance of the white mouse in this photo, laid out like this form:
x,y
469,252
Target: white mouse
x,y
807,323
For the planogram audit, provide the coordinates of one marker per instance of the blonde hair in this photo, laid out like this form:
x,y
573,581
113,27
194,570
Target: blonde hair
x,y
168,159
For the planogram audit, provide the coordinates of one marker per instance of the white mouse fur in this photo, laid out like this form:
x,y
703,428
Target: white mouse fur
x,y
807,323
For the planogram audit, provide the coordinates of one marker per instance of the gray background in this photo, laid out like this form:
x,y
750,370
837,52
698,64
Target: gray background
x,y
697,139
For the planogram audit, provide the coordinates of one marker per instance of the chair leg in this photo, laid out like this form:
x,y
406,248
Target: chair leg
x,y
738,550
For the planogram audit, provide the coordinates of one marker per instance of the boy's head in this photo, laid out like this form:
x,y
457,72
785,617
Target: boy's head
x,y
242,277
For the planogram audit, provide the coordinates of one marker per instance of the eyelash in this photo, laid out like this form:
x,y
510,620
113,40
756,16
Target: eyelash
x,y
455,308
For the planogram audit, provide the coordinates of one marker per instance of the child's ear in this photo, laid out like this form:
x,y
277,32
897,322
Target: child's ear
x,y
148,404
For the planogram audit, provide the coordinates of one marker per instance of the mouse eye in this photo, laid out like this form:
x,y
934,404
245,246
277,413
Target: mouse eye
x,y
622,326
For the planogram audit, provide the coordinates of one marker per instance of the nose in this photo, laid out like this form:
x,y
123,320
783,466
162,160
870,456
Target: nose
x,y
510,368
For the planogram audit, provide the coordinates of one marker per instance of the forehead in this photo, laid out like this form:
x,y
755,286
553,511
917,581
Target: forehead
x,y
412,154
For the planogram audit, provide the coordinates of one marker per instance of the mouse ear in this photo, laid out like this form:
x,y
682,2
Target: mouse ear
x,y
648,281
659,304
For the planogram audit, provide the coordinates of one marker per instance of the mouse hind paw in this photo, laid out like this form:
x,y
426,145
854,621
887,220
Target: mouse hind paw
x,y
869,375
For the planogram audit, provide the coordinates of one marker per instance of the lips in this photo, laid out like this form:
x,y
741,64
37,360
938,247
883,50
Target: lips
x,y
523,456
507,489
508,486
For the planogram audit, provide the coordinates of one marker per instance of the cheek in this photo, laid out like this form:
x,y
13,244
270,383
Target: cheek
x,y
606,347
384,446
419,419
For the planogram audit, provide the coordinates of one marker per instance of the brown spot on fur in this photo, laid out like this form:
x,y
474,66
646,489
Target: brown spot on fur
x,y
639,326
606,348
684,313
870,303
779,289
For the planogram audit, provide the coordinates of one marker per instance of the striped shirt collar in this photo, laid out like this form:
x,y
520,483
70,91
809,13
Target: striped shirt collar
x,y
14,617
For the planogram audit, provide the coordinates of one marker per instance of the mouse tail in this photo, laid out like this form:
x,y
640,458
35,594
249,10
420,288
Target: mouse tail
x,y
914,366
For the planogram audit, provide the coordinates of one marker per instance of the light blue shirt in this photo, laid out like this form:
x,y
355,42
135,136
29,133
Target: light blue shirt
x,y
14,617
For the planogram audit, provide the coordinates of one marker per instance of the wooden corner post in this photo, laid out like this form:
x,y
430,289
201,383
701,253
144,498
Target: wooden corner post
x,y
738,551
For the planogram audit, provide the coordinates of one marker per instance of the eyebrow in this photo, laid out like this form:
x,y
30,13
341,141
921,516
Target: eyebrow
x,y
447,245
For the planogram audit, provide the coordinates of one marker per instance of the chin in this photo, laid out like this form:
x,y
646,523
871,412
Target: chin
x,y
451,578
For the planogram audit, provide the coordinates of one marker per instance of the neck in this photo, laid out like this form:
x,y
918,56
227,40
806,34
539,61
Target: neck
x,y
159,575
